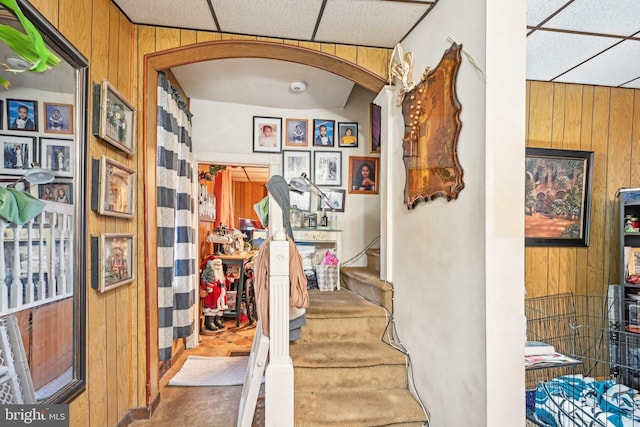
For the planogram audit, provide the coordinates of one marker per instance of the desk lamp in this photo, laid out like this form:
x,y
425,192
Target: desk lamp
x,y
301,183
35,175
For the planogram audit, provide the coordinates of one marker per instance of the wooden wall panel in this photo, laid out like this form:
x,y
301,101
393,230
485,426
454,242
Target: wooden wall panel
x,y
122,367
599,119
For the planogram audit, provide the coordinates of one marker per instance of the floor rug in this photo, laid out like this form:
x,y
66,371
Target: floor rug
x,y
201,371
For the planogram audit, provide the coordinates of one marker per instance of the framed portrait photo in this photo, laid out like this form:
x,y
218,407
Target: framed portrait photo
x,y
557,202
336,198
57,155
348,134
114,118
58,118
327,168
61,192
116,192
113,259
297,133
18,154
323,133
375,114
295,163
363,175
22,115
267,134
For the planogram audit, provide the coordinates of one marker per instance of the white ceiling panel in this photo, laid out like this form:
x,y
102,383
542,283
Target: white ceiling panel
x,y
237,81
194,14
549,54
539,10
358,21
622,64
291,19
619,17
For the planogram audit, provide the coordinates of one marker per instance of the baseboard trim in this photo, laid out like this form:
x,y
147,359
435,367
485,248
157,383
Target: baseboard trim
x,y
140,413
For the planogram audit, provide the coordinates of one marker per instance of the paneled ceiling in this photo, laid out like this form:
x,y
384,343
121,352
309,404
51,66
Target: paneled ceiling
x,y
574,41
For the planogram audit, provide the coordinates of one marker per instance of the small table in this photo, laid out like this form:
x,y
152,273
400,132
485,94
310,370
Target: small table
x,y
239,260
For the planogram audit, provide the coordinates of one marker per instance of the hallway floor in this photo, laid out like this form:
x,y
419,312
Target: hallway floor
x,y
206,406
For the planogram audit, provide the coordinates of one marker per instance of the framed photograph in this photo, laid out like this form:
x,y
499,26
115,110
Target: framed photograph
x,y
21,185
116,193
363,173
58,118
61,192
114,118
301,201
348,134
375,112
267,134
557,197
337,201
17,154
57,155
115,260
22,115
295,163
297,133
327,168
323,132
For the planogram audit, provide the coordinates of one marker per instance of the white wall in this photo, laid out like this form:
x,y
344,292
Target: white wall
x,y
457,266
223,131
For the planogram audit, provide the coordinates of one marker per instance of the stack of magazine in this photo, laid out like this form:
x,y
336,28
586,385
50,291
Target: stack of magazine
x,y
539,354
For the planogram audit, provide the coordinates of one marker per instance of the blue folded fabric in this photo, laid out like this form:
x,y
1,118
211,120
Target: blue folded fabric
x,y
19,207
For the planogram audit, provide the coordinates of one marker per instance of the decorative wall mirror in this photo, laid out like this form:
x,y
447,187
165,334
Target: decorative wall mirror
x,y
42,302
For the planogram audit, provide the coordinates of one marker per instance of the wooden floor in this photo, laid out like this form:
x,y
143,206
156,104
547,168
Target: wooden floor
x,y
206,406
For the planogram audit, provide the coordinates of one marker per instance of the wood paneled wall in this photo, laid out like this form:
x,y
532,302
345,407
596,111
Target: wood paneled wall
x,y
591,118
118,378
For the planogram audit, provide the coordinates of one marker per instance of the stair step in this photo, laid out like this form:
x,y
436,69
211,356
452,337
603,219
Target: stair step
x,y
338,365
342,316
366,282
373,259
394,407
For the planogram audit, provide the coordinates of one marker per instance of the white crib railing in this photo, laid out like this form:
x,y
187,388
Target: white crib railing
x,y
37,259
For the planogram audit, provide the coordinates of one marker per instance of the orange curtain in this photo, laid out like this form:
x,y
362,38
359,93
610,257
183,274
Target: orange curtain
x,y
224,199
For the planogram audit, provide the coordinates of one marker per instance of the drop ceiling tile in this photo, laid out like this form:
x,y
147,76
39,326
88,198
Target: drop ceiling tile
x,y
289,19
368,22
635,84
169,13
614,67
619,17
551,53
539,10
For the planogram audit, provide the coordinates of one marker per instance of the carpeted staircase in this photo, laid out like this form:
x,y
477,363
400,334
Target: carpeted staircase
x,y
345,375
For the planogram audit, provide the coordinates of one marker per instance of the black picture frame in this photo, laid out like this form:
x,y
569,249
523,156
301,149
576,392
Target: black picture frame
x,y
267,142
318,140
557,197
345,140
31,122
337,197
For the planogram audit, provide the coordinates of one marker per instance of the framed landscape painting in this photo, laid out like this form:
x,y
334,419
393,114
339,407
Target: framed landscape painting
x,y
557,201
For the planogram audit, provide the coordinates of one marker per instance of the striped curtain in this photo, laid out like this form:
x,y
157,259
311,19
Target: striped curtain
x,y
177,274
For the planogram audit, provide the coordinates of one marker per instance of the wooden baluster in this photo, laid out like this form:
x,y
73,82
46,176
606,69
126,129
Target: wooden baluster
x,y
15,294
4,291
29,285
42,265
62,279
51,289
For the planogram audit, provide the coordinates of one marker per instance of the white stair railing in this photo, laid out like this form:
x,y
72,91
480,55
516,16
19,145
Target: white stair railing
x,y
37,259
279,368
